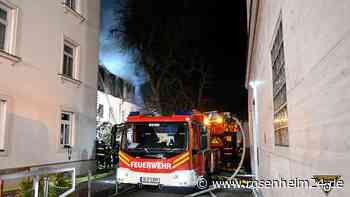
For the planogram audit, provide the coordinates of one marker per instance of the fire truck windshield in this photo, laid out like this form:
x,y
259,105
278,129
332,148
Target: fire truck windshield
x,y
142,139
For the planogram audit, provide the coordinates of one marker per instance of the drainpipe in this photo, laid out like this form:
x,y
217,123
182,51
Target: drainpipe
x,y
255,135
255,128
253,85
1,188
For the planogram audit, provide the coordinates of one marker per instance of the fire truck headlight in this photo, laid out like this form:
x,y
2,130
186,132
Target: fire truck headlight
x,y
183,178
122,175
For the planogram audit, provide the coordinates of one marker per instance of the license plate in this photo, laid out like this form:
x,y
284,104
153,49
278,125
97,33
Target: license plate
x,y
150,180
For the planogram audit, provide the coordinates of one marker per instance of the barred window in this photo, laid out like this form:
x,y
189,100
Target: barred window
x,y
279,89
71,4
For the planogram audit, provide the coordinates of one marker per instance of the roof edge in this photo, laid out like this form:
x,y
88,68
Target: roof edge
x,y
254,13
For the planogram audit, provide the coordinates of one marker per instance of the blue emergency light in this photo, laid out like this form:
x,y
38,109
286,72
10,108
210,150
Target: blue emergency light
x,y
183,113
134,113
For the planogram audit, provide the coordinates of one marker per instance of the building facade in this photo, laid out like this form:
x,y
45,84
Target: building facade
x,y
48,83
115,98
298,81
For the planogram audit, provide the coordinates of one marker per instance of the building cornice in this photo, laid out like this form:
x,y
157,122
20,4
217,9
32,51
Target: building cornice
x,y
13,58
65,78
75,13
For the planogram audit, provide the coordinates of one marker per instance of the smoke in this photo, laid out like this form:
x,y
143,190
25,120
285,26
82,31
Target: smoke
x,y
116,61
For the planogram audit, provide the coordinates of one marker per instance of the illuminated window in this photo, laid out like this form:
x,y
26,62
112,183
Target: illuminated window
x,y
67,120
2,124
279,89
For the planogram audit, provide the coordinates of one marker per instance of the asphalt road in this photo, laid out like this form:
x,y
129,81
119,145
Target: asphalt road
x,y
157,193
106,188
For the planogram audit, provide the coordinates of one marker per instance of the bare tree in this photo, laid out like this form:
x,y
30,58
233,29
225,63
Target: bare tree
x,y
165,45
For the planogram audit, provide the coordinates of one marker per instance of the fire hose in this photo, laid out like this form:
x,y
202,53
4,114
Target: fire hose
x,y
212,187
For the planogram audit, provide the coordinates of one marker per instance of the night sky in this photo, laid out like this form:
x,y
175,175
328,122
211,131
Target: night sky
x,y
225,38
224,42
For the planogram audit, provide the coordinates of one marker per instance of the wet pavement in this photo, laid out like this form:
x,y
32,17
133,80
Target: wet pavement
x,y
148,193
106,188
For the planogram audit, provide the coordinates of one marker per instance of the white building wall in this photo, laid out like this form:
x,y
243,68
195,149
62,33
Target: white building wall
x,y
317,44
121,109
35,92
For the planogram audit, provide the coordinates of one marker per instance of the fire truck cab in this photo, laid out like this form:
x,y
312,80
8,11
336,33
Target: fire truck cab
x,y
166,150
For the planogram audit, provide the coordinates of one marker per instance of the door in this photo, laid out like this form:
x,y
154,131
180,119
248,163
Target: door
x,y
198,161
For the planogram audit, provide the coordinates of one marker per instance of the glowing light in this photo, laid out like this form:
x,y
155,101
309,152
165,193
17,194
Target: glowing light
x,y
206,121
219,120
253,84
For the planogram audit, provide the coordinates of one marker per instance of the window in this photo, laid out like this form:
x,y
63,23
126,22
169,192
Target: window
x,y
73,7
69,69
68,60
8,22
66,128
123,116
100,111
71,4
111,114
279,89
204,138
3,27
2,124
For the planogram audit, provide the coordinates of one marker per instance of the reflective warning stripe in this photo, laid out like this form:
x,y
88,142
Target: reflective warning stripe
x,y
181,162
121,154
123,160
181,157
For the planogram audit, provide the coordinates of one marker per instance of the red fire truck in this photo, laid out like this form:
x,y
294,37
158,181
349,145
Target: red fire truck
x,y
166,150
224,137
